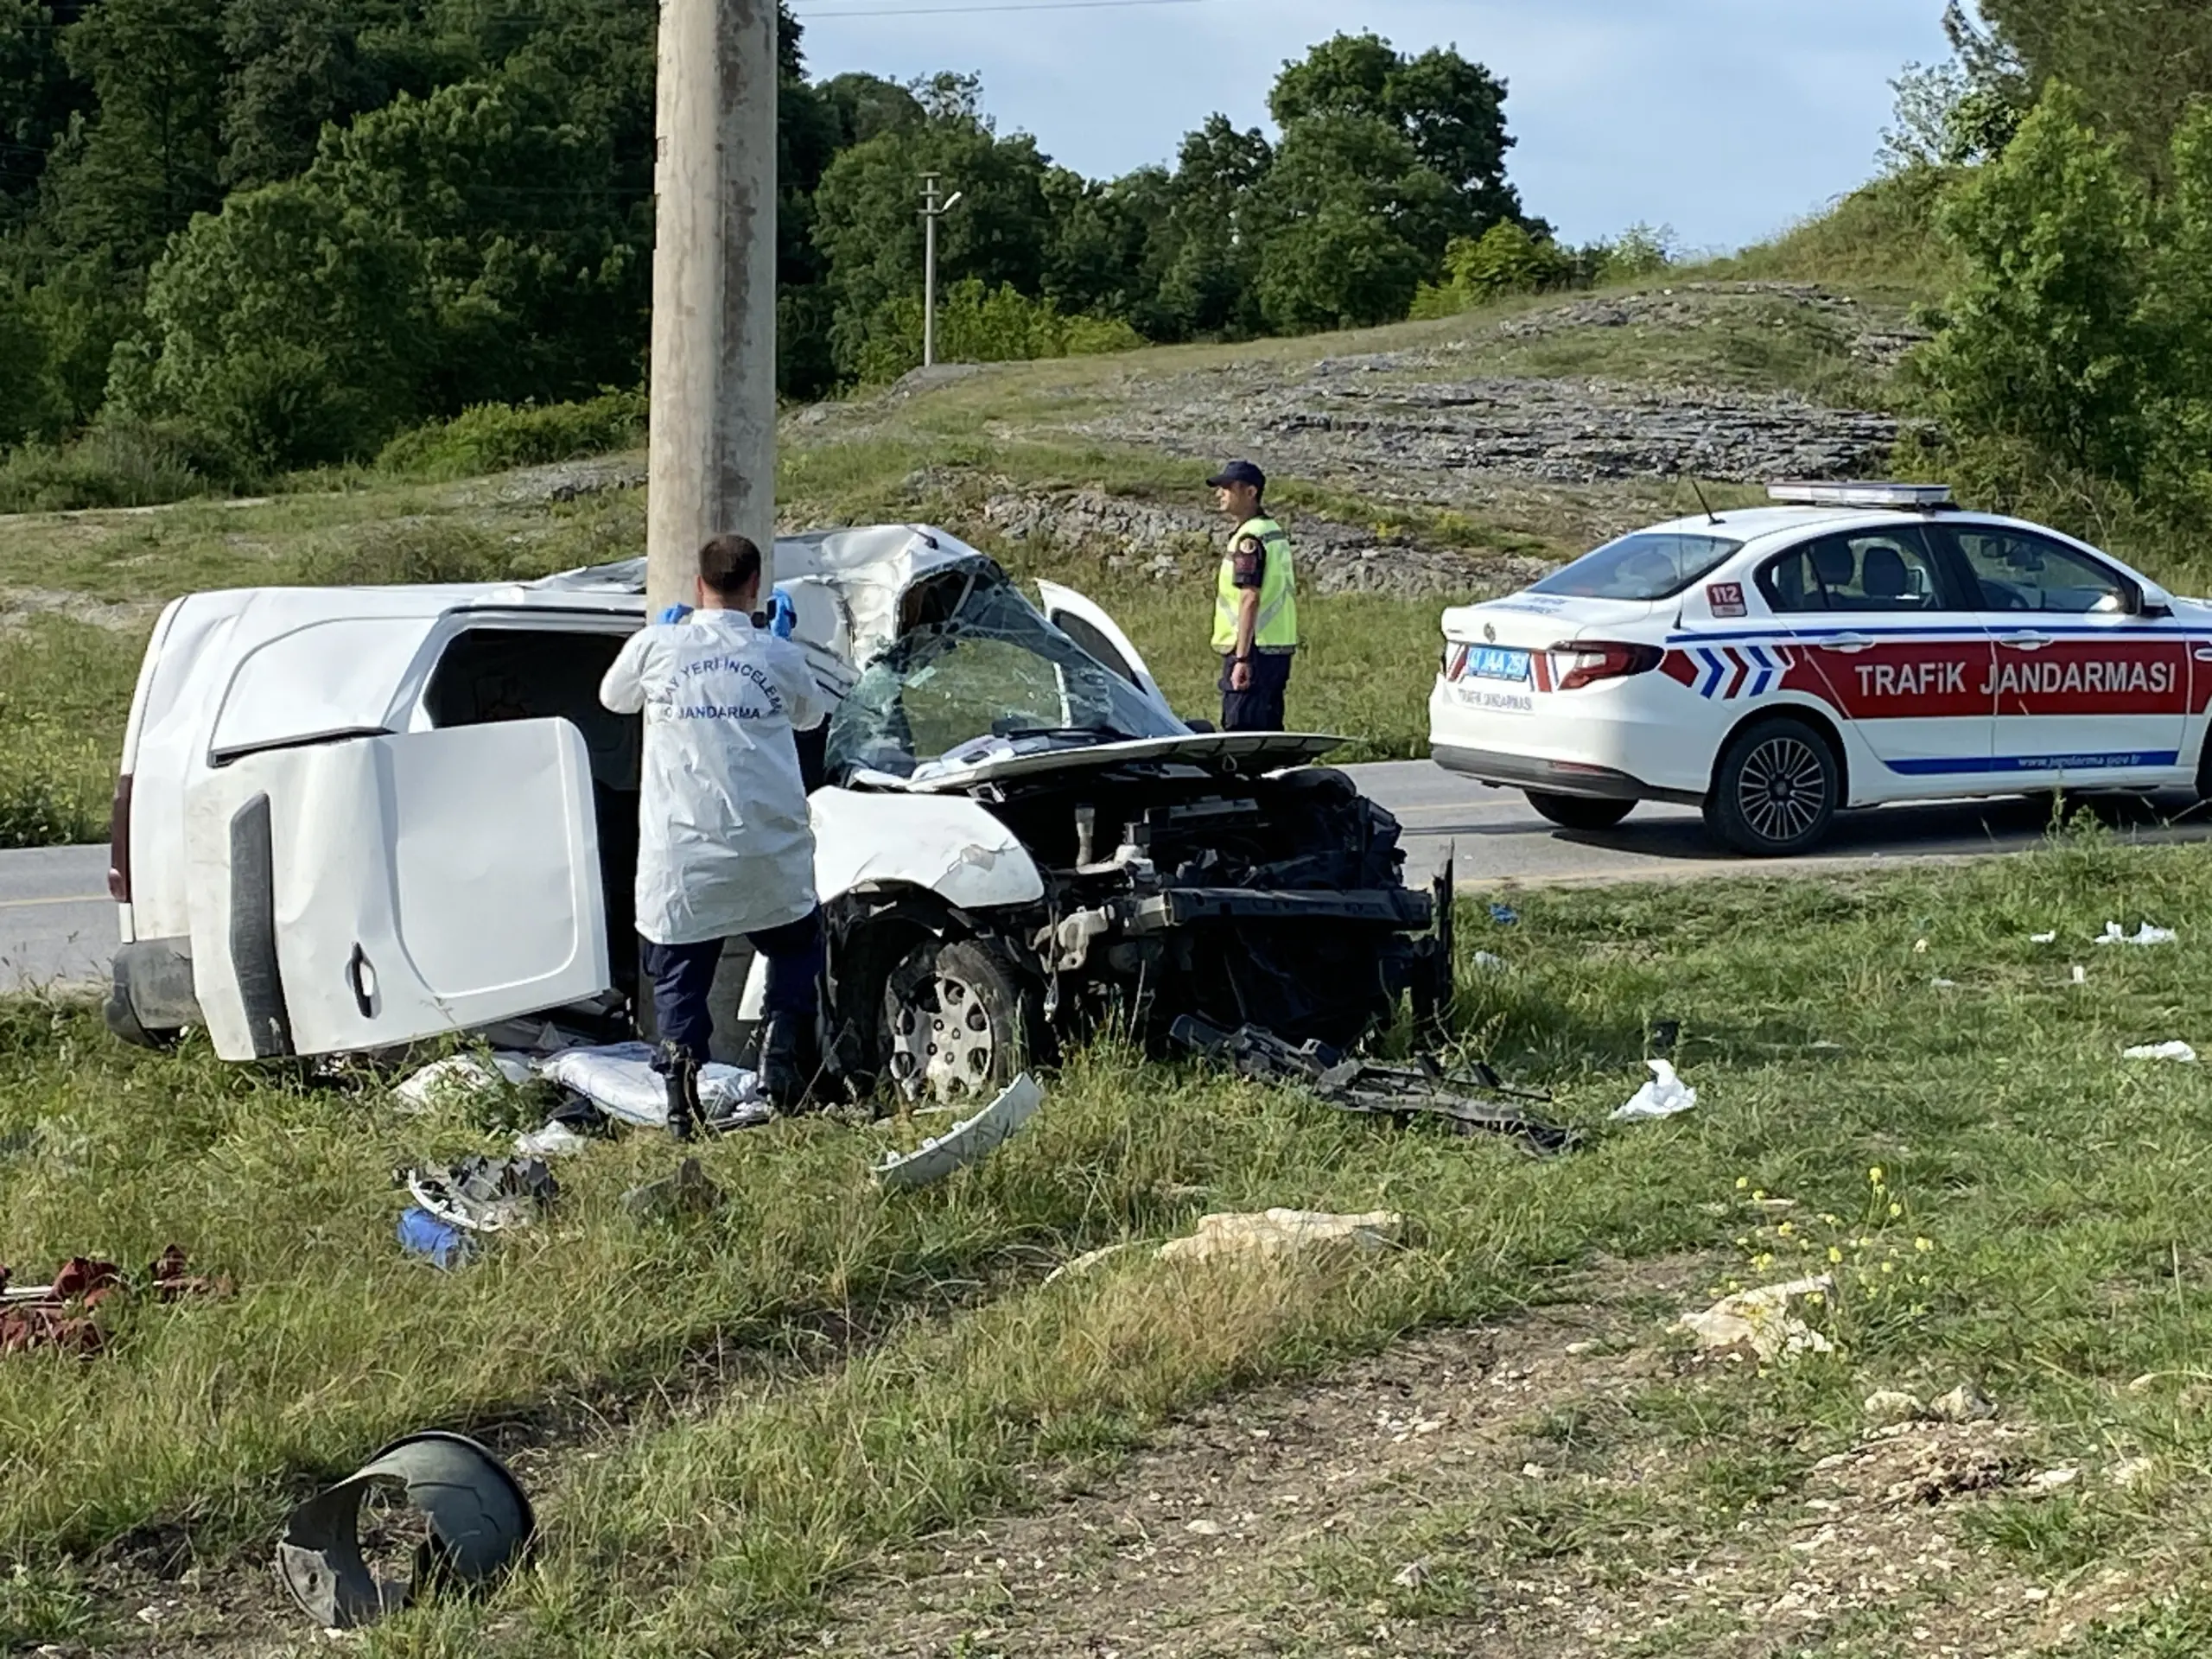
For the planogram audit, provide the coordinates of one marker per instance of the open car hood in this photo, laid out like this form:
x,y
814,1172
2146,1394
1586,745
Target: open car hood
x,y
1242,753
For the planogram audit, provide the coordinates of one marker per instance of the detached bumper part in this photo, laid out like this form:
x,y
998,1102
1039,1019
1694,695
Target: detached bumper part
x,y
480,1522
150,997
965,1143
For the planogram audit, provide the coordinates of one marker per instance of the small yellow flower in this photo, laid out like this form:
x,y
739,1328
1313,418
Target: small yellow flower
x,y
1923,1245
1743,1183
1784,1231
1835,1256
1832,1221
1896,1209
1874,1175
1888,1266
1759,1195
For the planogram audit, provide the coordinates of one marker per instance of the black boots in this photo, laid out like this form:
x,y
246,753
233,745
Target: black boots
x,y
787,1061
682,1072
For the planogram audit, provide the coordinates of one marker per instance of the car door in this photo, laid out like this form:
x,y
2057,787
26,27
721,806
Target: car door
x,y
2088,690
1890,642
1086,623
360,894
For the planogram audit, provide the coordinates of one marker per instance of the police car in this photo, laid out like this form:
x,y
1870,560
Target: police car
x,y
1850,645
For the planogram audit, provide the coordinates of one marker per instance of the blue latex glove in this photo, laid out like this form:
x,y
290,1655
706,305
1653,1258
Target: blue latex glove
x,y
675,613
783,615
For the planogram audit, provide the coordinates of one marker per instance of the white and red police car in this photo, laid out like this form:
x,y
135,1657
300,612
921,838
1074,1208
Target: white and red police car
x,y
1852,645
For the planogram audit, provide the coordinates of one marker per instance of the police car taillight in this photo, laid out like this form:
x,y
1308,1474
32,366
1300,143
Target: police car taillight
x,y
1584,662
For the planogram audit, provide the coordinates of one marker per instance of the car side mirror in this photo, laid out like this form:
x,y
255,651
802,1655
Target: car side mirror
x,y
2153,602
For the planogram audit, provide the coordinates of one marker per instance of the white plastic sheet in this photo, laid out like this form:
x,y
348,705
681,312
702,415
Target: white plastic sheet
x,y
620,1081
2174,1050
1664,1097
2145,934
462,1076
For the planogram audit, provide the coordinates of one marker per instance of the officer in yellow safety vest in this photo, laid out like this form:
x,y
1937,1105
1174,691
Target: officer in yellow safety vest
x,y
1255,605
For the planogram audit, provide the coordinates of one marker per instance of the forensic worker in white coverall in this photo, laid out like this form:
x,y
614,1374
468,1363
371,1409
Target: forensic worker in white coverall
x,y
724,846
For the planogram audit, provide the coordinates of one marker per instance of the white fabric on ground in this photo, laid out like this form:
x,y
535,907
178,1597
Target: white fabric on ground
x,y
620,1081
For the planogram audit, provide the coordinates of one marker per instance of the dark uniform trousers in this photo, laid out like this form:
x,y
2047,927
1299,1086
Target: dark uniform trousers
x,y
1259,709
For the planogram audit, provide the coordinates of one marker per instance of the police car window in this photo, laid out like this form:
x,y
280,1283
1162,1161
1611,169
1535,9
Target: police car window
x,y
1648,565
1876,570
2019,572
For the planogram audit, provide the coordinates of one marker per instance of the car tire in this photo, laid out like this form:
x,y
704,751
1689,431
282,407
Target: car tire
x,y
960,1020
1776,790
1578,811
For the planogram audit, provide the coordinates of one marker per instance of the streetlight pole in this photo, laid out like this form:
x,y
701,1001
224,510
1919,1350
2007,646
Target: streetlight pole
x,y
712,463
932,211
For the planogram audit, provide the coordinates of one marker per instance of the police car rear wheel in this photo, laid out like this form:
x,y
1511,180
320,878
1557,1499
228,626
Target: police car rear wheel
x,y
1776,790
1579,811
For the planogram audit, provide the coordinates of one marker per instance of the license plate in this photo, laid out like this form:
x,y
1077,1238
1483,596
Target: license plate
x,y
1496,663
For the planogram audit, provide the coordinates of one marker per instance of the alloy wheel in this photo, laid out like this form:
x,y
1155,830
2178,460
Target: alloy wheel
x,y
1781,788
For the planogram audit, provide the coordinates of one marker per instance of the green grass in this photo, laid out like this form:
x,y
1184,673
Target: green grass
x,y
776,1397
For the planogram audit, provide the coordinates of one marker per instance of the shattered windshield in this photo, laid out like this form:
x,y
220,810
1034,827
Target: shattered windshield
x,y
993,679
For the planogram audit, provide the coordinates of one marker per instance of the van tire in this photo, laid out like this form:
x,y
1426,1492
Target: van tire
x,y
1578,811
960,1019
1776,791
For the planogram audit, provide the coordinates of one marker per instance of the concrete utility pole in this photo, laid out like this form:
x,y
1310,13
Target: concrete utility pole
x,y
712,464
932,211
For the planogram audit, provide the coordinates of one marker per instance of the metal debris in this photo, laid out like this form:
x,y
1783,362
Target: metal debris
x,y
1398,1092
479,1522
967,1142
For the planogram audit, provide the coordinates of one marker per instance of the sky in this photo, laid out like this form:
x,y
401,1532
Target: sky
x,y
1727,120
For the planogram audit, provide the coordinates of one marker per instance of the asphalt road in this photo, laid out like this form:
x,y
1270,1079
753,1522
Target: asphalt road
x,y
58,928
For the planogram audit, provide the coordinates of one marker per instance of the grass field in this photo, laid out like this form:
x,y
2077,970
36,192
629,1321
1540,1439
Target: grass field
x,y
729,1421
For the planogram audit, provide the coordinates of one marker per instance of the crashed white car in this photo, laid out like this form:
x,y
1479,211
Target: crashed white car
x,y
352,818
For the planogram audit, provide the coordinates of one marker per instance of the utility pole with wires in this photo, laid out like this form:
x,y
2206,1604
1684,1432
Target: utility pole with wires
x,y
932,211
712,465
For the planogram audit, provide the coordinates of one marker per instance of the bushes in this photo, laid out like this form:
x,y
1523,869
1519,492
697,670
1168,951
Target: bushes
x,y
1508,258
120,462
976,324
492,437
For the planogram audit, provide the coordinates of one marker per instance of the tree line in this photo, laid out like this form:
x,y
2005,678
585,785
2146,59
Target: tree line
x,y
282,231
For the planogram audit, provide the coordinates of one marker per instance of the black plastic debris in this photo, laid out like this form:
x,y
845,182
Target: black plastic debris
x,y
485,1195
1473,1098
479,1524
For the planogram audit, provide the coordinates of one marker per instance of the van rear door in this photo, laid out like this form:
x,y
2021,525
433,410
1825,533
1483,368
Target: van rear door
x,y
372,891
1085,621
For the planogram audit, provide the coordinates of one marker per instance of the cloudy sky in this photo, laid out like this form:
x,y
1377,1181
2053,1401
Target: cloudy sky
x,y
1726,119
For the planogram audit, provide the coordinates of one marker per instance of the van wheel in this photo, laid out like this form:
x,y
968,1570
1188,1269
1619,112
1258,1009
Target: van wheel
x,y
1776,790
1579,811
960,1020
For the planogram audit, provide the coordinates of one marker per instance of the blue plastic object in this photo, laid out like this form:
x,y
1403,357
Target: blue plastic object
x,y
1504,915
421,1233
675,613
783,615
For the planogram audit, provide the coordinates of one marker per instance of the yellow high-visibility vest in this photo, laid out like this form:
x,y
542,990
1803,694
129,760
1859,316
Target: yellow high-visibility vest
x,y
1276,626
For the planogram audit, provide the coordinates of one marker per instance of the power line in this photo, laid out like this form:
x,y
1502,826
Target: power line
x,y
812,15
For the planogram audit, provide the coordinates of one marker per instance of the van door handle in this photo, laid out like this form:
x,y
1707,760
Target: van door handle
x,y
361,975
2204,654
2023,641
1848,642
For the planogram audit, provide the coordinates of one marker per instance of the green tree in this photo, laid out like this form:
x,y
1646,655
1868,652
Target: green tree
x,y
291,326
1206,245
37,98
1356,223
2044,343
2135,65
299,65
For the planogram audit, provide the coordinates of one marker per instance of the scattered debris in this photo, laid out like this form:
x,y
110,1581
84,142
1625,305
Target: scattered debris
x,y
618,1078
2131,1472
59,1314
485,1195
1204,1528
1944,984
1886,1408
1965,1404
1759,1321
2173,1051
1411,1576
2051,1480
1396,1092
480,1522
1664,1097
1090,1259
1279,1232
1665,1033
447,1246
2081,975
555,1139
687,1193
2050,937
966,1142
1504,915
1491,962
2145,934
461,1078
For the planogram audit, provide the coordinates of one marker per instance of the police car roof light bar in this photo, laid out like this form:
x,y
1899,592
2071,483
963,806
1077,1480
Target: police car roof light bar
x,y
1922,498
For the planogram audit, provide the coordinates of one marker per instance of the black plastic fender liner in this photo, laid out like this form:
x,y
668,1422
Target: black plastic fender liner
x,y
253,930
480,1524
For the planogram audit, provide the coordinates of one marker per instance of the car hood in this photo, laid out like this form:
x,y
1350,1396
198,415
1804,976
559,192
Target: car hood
x,y
1245,753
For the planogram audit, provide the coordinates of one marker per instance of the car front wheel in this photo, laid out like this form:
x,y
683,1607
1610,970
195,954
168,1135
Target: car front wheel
x,y
1776,790
1579,811
959,1020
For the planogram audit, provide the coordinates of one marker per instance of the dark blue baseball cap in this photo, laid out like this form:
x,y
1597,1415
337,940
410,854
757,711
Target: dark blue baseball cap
x,y
1238,472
